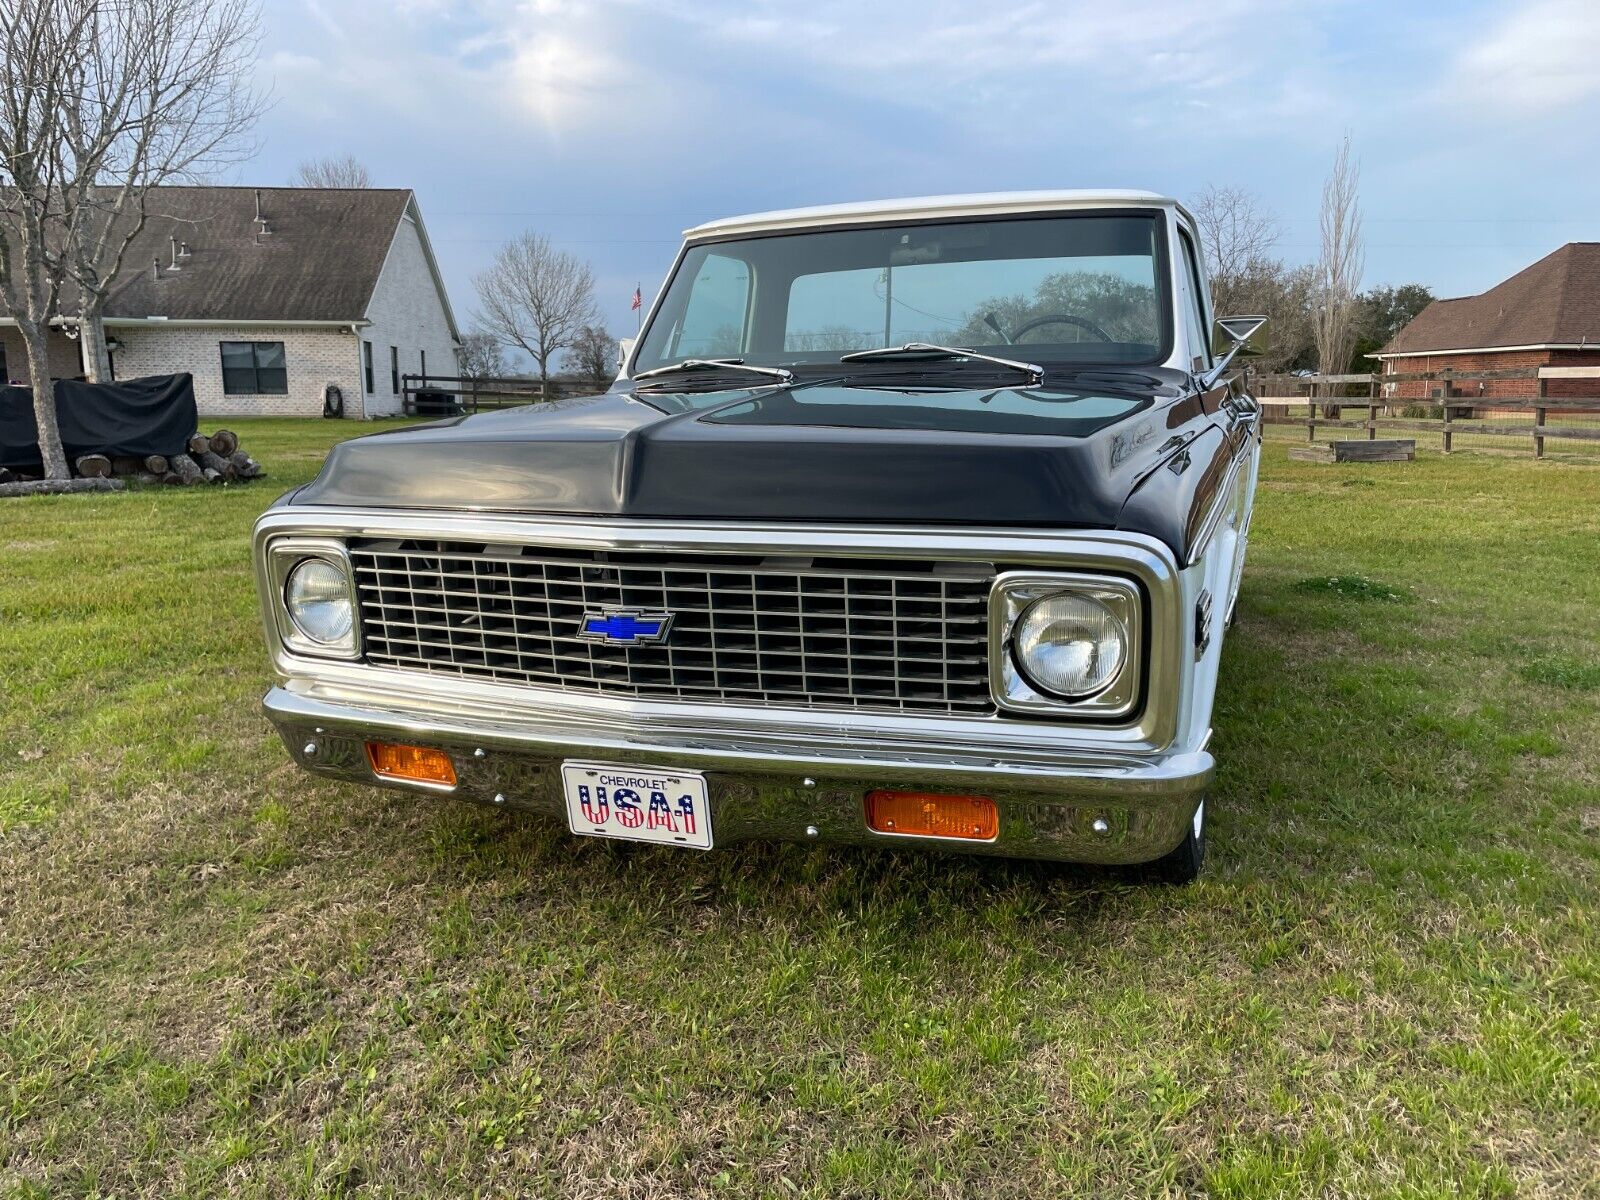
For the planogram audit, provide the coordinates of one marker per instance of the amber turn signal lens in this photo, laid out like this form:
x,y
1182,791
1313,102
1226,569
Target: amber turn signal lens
x,y
928,814
414,764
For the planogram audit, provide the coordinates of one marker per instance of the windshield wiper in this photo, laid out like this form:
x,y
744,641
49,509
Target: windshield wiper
x,y
690,365
1033,371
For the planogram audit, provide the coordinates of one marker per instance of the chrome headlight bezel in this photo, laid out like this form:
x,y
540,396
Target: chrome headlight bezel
x,y
1014,593
283,556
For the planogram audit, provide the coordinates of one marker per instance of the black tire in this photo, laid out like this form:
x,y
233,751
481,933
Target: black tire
x,y
1183,863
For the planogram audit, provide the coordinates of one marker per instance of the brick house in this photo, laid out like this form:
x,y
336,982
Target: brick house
x,y
267,296
1547,315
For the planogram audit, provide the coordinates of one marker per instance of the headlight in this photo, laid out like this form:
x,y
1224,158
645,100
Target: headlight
x,y
317,595
1071,646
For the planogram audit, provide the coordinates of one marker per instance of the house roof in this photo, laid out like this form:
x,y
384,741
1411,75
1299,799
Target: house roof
x,y
1555,302
319,260
974,204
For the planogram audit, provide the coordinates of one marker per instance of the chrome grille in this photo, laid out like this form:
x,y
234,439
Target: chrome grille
x,y
808,631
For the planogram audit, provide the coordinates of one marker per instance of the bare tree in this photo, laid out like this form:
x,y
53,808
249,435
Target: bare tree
x,y
161,94
1237,237
334,171
482,356
1338,270
536,297
36,38
593,354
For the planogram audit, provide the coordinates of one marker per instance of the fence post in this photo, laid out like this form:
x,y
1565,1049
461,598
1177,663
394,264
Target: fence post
x,y
1372,409
1311,411
1445,388
1538,417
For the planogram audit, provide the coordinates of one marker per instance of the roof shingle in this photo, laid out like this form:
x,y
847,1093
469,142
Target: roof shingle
x,y
1554,301
319,262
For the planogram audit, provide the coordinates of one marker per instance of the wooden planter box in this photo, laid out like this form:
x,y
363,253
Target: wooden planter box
x,y
1357,450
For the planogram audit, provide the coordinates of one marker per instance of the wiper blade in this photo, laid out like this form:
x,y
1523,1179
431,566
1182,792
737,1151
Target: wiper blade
x,y
690,365
1033,371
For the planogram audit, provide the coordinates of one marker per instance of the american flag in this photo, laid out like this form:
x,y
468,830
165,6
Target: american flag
x,y
638,299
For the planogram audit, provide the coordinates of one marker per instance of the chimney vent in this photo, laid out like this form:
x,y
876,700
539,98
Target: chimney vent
x,y
155,268
183,249
174,266
261,222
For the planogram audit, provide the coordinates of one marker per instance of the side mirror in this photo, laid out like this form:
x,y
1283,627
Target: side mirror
x,y
624,348
1239,337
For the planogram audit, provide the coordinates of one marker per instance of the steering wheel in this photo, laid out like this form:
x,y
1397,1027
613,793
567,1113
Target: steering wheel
x,y
1061,319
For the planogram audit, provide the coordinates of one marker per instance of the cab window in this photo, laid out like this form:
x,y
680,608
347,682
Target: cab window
x,y
718,311
1194,307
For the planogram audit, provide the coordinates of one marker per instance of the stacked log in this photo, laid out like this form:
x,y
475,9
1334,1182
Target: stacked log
x,y
215,459
186,469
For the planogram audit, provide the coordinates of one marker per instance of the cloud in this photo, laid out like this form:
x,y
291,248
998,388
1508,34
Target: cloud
x,y
700,74
1541,57
952,56
324,19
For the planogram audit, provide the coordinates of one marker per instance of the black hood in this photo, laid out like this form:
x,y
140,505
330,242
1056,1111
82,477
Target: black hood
x,y
821,451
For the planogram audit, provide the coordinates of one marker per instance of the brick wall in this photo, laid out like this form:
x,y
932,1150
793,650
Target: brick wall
x,y
1573,387
1503,360
314,357
406,314
66,361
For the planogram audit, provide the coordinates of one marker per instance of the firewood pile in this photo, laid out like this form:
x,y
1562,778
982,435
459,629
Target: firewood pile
x,y
214,459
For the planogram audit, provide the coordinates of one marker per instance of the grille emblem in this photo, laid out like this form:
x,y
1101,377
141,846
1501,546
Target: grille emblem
x,y
621,627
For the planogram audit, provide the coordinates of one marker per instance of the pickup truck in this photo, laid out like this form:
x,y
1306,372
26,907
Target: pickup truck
x,y
906,523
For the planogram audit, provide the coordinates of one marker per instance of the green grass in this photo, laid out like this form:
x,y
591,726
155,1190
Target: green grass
x,y
219,975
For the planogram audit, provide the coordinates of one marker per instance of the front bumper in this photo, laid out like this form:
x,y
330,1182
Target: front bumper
x,y
1096,808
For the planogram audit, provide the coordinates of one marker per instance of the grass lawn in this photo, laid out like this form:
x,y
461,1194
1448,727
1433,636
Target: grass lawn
x,y
218,975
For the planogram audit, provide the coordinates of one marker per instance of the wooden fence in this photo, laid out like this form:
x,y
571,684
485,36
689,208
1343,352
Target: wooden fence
x,y
1460,419
444,394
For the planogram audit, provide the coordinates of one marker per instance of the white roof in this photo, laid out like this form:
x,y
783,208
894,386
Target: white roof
x,y
973,204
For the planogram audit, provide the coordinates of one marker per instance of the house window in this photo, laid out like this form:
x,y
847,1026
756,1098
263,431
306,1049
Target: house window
x,y
394,369
366,365
254,369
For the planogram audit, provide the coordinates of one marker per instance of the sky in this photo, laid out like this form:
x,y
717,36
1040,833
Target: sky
x,y
612,125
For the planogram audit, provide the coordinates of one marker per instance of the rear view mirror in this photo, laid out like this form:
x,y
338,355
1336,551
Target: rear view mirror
x,y
1239,337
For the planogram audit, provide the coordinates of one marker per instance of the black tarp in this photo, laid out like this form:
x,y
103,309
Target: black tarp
x,y
135,417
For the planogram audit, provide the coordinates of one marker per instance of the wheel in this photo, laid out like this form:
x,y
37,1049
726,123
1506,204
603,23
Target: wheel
x,y
1183,863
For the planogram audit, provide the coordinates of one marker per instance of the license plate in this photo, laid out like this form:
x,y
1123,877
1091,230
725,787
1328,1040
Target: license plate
x,y
637,804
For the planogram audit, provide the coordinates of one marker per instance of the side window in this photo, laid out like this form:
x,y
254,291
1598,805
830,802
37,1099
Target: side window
x,y
1194,308
366,366
718,311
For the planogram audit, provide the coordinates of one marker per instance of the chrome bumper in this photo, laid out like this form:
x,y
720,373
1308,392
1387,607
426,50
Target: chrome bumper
x,y
1097,808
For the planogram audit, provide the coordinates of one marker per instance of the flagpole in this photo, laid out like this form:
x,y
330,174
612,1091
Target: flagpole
x,y
638,307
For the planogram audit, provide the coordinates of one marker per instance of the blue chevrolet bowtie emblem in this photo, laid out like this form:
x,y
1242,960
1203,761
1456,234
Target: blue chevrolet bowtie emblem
x,y
625,628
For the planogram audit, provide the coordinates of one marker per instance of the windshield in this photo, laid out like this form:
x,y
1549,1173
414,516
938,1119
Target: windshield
x,y
1069,289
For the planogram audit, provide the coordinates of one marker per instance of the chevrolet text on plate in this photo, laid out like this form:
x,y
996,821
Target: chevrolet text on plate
x,y
911,523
